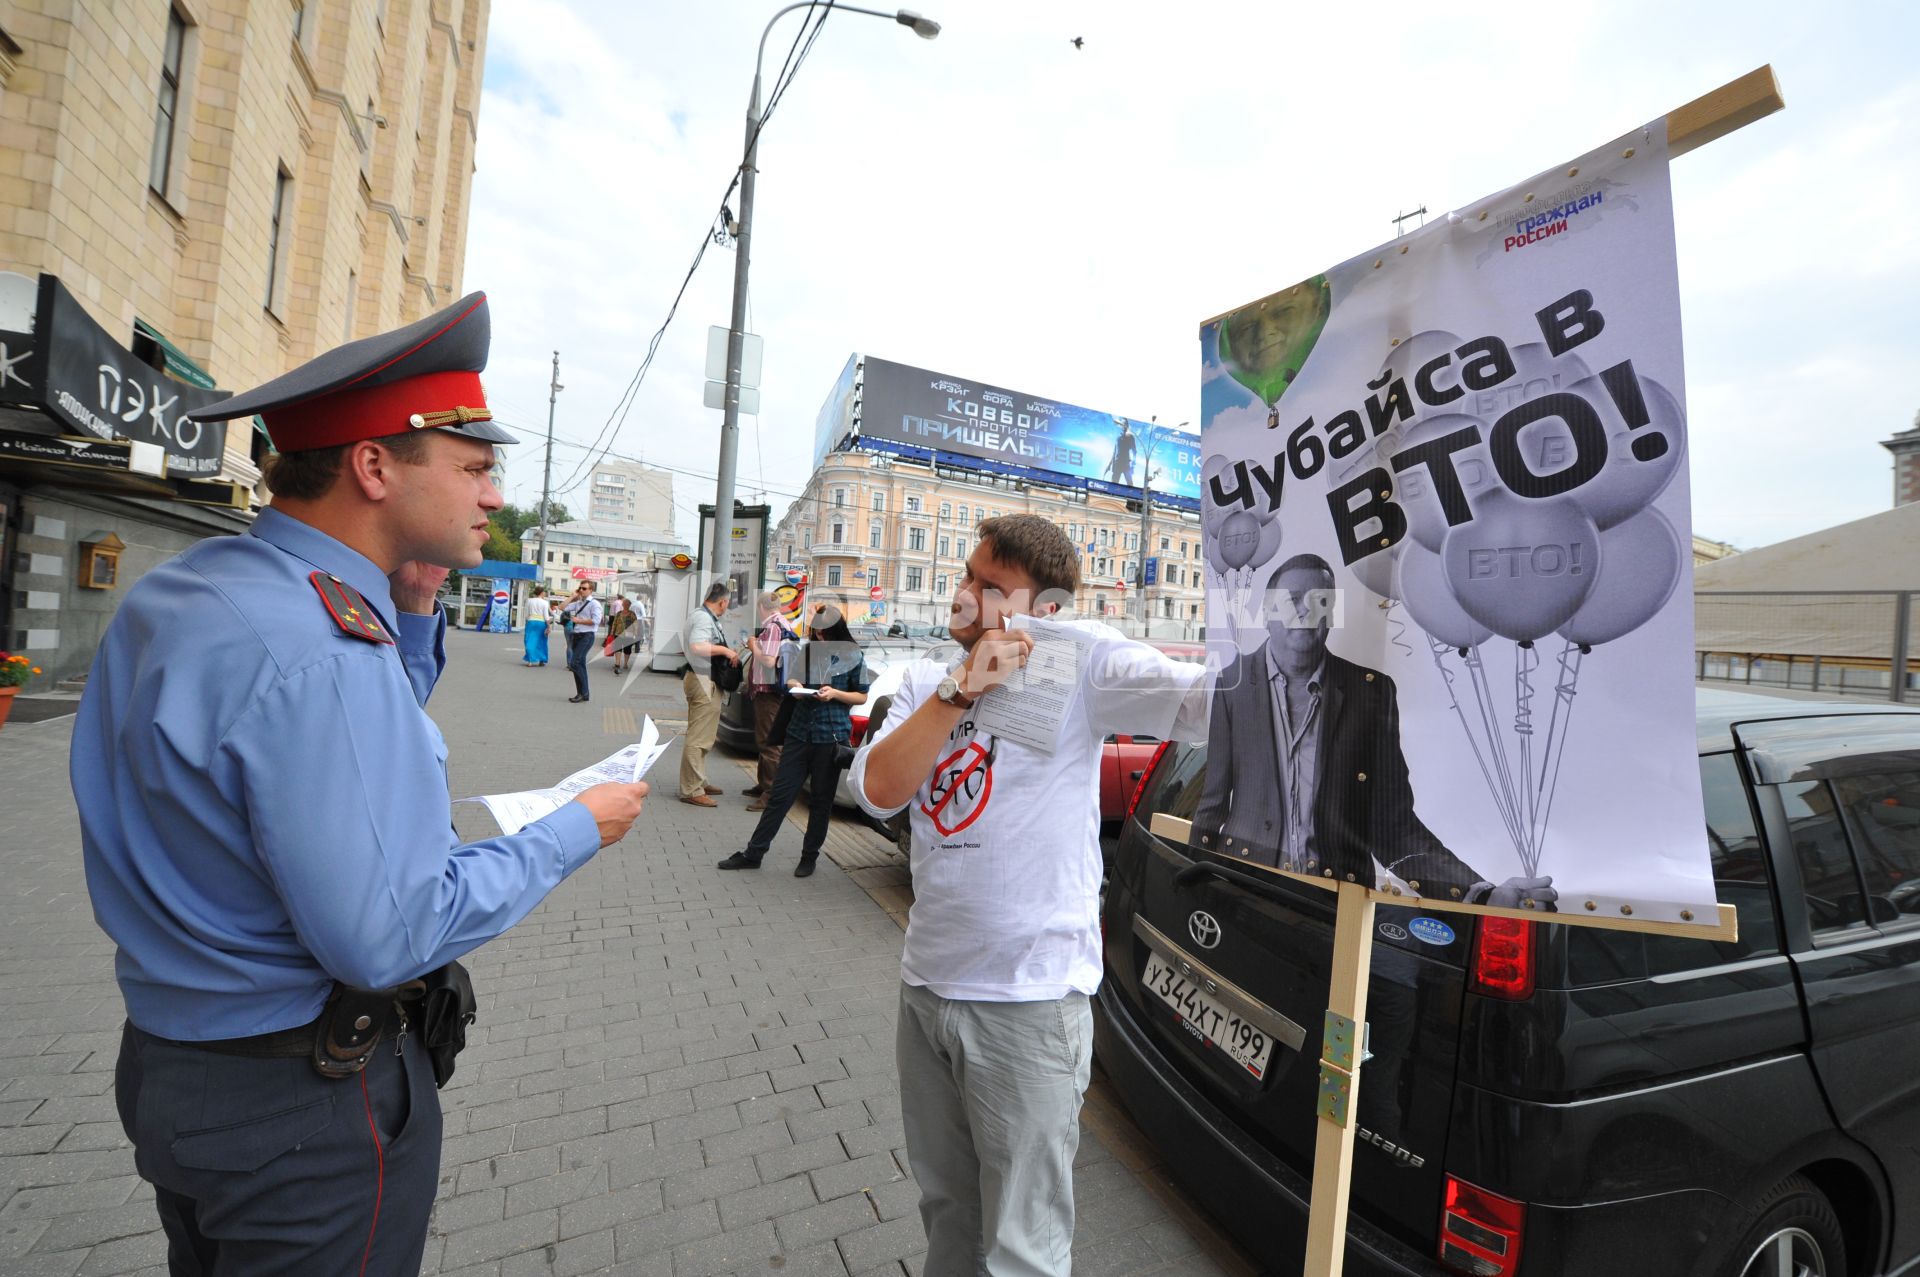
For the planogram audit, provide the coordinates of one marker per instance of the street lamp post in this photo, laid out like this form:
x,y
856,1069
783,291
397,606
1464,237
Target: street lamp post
x,y
926,29
1147,473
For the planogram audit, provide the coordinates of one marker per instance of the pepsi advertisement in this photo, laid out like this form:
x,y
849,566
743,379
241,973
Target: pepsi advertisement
x,y
1014,431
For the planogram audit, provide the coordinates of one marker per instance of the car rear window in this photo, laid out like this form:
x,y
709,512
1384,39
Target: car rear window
x,y
1740,879
1836,905
1881,812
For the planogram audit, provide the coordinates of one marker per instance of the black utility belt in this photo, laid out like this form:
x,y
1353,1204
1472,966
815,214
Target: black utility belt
x,y
342,1039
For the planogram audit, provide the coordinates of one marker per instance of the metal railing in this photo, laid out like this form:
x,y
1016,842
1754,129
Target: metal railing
x,y
1845,642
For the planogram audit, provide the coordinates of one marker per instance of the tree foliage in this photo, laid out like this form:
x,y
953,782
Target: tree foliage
x,y
511,524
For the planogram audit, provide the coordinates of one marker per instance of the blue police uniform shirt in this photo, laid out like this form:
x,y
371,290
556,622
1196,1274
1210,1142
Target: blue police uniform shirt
x,y
263,798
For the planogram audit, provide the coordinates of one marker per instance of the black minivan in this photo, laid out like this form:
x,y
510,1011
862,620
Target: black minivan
x,y
1561,1100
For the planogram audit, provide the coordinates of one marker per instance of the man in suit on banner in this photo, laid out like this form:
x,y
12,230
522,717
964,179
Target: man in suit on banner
x,y
1304,768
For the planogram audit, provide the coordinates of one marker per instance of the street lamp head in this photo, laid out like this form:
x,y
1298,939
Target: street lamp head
x,y
925,28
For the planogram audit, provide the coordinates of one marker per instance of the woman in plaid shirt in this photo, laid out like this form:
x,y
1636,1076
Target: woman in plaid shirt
x,y
820,727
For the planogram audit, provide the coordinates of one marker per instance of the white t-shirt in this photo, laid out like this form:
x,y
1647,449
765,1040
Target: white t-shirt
x,y
1006,839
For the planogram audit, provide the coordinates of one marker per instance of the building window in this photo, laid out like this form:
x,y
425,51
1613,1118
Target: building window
x,y
917,539
1183,549
806,538
366,142
282,183
979,513
873,534
549,556
940,584
946,511
566,556
353,303
833,574
788,556
171,58
838,531
913,505
879,501
913,580
839,498
943,547
960,547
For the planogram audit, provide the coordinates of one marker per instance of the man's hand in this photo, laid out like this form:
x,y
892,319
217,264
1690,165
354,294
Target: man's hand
x,y
415,585
615,807
995,657
1510,894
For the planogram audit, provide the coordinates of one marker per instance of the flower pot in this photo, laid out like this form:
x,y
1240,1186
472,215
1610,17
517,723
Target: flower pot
x,y
6,703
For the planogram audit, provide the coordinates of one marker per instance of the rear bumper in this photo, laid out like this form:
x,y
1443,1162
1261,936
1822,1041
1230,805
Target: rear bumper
x,y
1261,1200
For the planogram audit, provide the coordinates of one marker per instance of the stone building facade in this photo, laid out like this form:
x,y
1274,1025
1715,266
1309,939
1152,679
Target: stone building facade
x,y
227,188
869,518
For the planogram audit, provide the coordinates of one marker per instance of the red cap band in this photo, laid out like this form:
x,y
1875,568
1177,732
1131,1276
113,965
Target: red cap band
x,y
370,412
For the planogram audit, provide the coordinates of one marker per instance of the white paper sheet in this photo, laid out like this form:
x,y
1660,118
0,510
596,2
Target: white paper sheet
x,y
515,812
1033,705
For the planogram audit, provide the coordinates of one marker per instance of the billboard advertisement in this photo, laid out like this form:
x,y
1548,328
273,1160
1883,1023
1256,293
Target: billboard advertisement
x,y
746,564
1011,431
835,421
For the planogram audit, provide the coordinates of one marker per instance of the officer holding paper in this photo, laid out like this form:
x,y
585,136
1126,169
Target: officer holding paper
x,y
265,826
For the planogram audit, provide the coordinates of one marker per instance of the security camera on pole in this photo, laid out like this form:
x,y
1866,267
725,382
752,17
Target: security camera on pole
x,y
729,389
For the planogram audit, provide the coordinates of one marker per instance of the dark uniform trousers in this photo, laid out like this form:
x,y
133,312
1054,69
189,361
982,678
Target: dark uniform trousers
x,y
262,1166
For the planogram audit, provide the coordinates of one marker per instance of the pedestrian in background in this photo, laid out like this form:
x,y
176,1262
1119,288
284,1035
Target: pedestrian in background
x,y
535,624
264,822
582,618
642,622
766,684
820,726
621,635
706,650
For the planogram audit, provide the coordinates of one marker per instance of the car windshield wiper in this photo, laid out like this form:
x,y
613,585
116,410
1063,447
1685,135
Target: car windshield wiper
x,y
1258,884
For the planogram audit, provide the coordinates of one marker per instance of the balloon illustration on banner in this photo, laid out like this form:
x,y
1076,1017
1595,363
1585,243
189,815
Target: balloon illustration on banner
x,y
1233,539
1590,561
1263,346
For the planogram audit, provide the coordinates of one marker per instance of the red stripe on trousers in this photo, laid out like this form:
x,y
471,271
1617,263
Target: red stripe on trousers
x,y
380,1175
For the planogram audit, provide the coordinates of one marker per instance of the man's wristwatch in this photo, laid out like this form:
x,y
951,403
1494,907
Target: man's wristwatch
x,y
949,693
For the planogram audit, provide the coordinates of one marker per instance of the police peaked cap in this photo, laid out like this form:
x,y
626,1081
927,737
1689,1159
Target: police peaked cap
x,y
425,376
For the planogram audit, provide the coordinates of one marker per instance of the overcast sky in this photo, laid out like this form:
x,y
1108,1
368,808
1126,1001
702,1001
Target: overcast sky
x,y
1001,206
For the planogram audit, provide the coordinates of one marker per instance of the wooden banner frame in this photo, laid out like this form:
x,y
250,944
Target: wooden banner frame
x,y
1709,117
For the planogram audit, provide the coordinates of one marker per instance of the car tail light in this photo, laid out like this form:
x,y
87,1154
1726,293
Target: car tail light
x,y
1503,958
859,732
1480,1231
1146,774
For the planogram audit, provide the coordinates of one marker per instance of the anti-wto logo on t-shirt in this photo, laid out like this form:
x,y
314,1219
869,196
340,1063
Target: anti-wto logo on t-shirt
x,y
962,784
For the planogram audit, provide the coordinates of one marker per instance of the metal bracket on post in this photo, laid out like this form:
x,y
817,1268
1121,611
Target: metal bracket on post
x,y
1343,1048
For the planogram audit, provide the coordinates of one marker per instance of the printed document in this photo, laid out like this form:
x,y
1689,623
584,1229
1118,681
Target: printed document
x,y
1033,705
515,812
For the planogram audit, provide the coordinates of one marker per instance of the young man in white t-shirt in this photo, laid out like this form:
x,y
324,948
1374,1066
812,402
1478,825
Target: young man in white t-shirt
x,y
1002,952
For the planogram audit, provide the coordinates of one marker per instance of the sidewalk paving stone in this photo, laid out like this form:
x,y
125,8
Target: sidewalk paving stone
x,y
675,1072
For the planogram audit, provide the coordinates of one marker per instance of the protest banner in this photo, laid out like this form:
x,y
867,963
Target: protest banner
x,y
1446,520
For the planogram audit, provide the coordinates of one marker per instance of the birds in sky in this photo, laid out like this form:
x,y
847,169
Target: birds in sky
x,y
1079,42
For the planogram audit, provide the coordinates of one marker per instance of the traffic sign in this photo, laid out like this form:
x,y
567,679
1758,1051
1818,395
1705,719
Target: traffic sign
x,y
876,594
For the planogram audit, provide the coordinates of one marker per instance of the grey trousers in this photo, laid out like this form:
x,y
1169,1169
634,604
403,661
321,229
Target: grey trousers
x,y
990,1096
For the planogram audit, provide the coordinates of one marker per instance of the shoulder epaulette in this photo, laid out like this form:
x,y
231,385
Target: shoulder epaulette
x,y
349,608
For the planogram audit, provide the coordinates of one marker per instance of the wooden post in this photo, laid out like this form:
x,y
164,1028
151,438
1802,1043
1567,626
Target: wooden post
x,y
1342,1051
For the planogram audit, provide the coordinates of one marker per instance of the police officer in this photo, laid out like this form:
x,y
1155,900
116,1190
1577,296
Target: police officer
x,y
263,806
